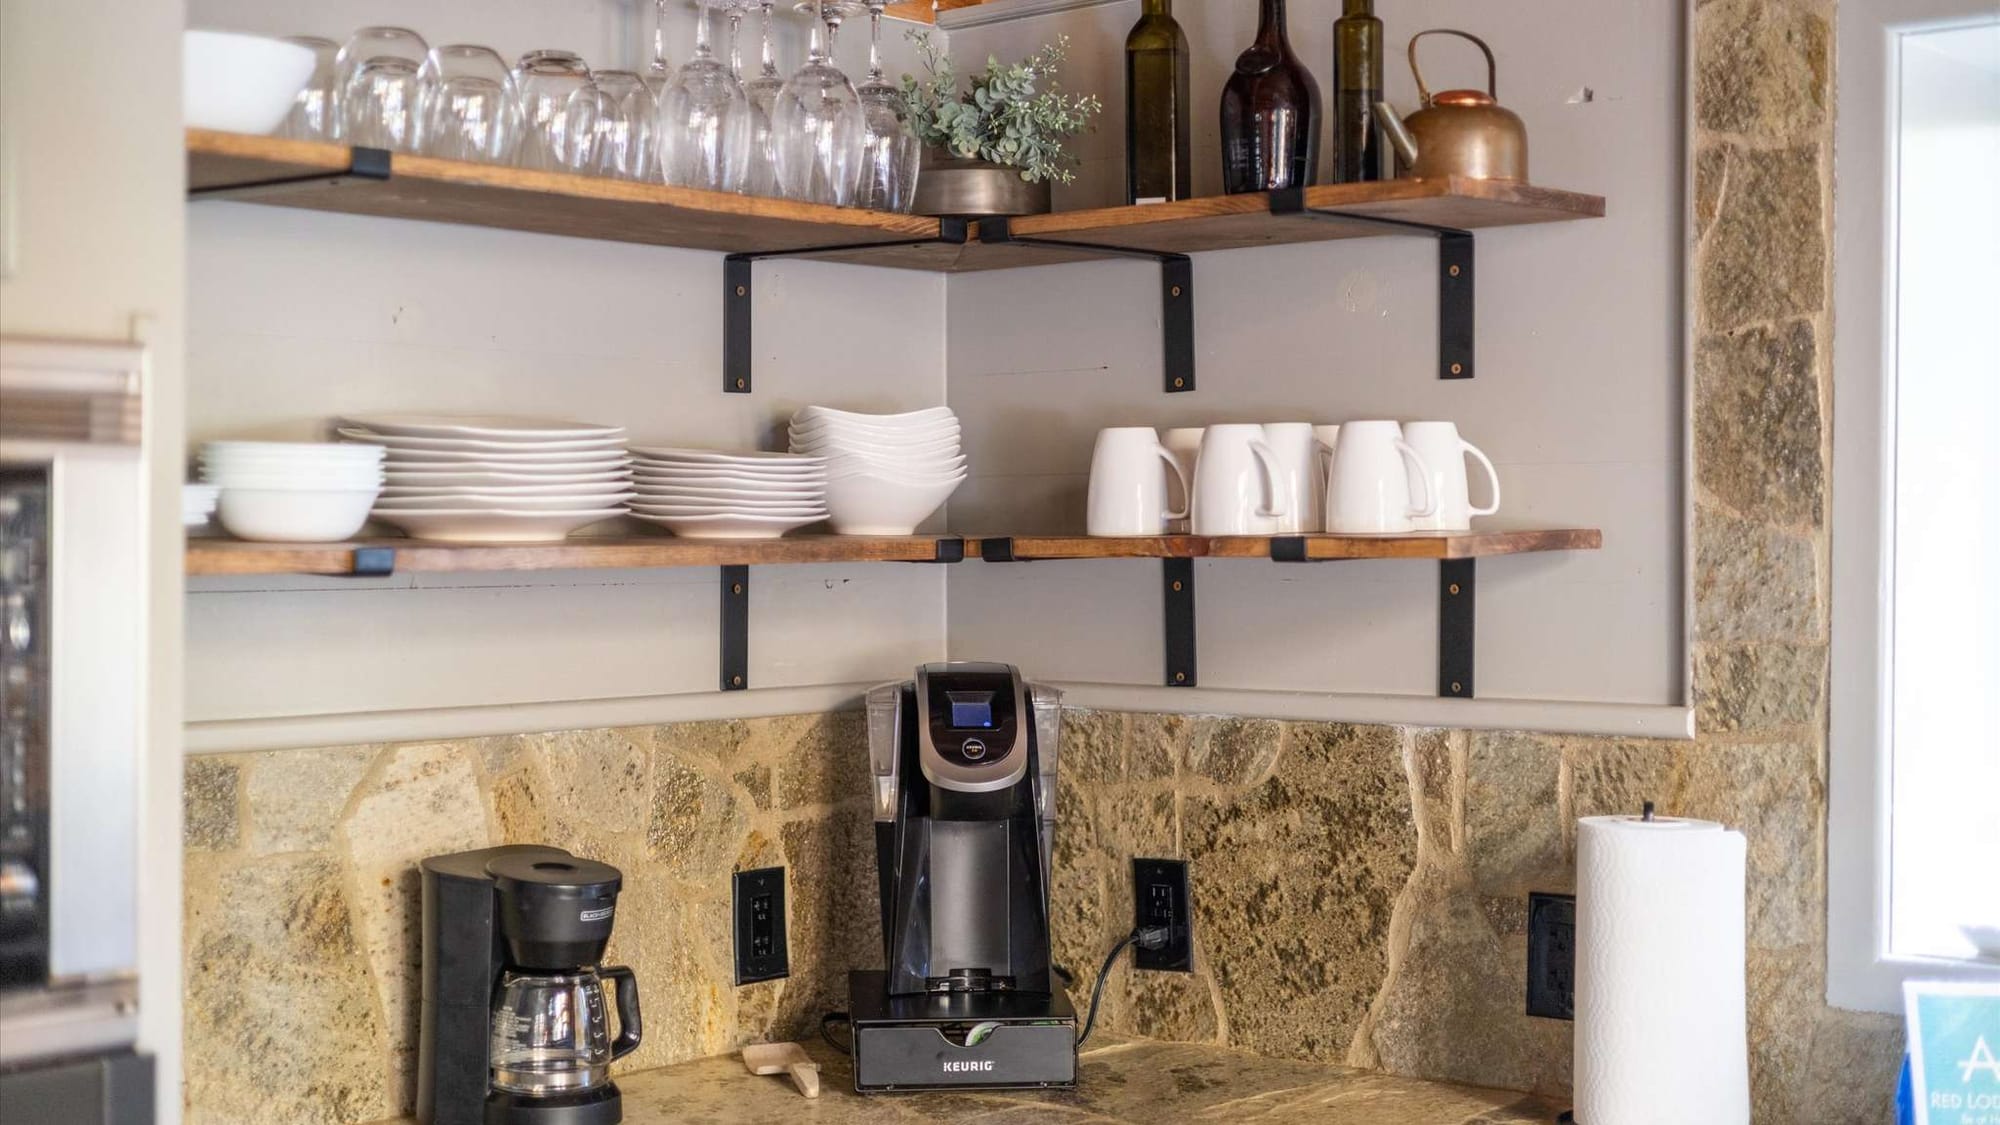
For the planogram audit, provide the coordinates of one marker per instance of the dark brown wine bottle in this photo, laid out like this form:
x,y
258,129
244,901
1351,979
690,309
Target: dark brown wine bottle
x,y
1270,113
1357,86
1157,167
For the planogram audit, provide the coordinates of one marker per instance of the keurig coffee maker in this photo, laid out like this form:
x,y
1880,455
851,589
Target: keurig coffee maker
x,y
513,1027
964,767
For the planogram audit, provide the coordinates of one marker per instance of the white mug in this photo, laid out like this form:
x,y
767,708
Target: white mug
x,y
1440,447
1184,442
1236,490
1302,486
1369,493
1128,483
1327,436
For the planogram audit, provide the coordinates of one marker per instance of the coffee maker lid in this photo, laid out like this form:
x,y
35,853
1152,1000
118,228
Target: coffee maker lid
x,y
552,873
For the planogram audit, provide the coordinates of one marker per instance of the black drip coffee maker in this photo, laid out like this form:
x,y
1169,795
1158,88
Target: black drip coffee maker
x,y
964,767
514,1030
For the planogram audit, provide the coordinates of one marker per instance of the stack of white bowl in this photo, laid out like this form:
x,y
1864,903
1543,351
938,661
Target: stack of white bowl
x,y
712,494
886,473
198,502
292,492
495,478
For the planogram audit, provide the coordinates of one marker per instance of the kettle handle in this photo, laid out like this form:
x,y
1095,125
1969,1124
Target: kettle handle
x,y
626,992
1492,70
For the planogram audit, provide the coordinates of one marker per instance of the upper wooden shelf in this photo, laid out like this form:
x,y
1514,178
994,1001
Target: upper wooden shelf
x,y
224,557
450,191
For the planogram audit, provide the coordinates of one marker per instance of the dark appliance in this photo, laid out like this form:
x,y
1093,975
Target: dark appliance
x,y
513,1029
964,767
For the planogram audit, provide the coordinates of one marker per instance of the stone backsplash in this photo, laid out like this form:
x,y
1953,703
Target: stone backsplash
x,y
1359,891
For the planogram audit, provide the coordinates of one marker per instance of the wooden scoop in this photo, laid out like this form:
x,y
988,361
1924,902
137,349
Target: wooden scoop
x,y
784,1058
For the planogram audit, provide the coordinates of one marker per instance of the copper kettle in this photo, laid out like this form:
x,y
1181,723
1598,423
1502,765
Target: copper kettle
x,y
1457,132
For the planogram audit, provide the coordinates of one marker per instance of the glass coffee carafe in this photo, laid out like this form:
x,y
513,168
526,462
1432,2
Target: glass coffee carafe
x,y
550,1035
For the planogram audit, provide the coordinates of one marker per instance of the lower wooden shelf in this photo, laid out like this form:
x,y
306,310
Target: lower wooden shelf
x,y
225,557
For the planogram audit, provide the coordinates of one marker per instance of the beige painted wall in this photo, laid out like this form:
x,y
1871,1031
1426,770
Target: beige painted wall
x,y
1579,397
91,191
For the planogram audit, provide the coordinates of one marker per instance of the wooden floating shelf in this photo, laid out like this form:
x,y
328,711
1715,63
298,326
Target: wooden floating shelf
x,y
231,557
312,175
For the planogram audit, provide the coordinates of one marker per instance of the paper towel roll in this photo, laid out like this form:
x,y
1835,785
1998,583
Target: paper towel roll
x,y
1660,1034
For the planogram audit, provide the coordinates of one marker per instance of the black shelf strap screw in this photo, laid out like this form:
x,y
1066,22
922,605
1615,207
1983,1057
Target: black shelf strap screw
x,y
735,628
1176,295
738,291
1455,300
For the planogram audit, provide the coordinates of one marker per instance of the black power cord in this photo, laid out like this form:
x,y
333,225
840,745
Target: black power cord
x,y
1145,937
828,1020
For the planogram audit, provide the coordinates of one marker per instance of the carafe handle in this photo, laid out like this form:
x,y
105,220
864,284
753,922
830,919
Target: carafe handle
x,y
626,996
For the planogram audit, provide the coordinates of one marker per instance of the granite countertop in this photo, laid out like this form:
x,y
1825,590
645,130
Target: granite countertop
x,y
1140,1082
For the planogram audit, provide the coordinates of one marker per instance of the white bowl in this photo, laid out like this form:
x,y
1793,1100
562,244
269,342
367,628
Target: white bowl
x,y
743,495
314,450
294,515
871,505
240,83
854,463
282,482
816,508
758,459
924,432
729,526
505,526
907,417
832,448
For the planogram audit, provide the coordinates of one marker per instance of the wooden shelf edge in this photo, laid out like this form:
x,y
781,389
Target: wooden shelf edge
x,y
236,558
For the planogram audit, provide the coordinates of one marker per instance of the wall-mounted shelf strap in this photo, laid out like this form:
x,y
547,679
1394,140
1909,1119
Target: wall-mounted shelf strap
x,y
1176,295
362,164
1455,302
1455,618
1177,604
735,628
738,289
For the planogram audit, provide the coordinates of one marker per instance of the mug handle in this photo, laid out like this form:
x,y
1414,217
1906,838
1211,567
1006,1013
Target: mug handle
x,y
1180,474
1272,508
1430,506
1492,478
630,1029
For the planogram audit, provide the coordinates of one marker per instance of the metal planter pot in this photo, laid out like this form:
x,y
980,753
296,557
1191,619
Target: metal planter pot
x,y
952,186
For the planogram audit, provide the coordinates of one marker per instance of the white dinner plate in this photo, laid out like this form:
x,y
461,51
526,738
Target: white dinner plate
x,y
699,508
907,417
728,475
729,527
558,462
675,455
453,479
749,495
307,450
606,488
487,427
818,430
470,445
485,501
503,526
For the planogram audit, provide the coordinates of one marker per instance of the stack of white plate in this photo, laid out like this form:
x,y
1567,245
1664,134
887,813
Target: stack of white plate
x,y
495,478
292,492
198,502
886,473
710,494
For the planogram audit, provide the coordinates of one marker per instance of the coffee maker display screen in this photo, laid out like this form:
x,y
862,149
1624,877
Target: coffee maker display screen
x,y
971,710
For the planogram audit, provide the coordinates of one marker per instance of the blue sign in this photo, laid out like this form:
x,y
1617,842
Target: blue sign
x,y
1954,1030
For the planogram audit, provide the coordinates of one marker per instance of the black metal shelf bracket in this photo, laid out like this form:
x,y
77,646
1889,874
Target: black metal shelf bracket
x,y
1177,605
950,549
997,549
362,164
735,628
738,291
1176,294
372,562
1455,302
1455,620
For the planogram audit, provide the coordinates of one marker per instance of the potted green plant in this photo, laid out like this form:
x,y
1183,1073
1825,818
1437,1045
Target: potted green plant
x,y
993,149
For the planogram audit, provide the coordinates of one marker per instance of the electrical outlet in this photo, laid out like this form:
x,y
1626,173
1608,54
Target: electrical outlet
x,y
1160,898
1552,956
761,952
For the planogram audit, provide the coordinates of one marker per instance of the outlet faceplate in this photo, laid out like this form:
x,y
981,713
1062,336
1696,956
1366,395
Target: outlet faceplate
x,y
761,952
1160,898
1552,956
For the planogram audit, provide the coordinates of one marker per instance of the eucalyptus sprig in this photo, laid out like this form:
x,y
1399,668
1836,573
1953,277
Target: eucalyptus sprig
x,y
1013,115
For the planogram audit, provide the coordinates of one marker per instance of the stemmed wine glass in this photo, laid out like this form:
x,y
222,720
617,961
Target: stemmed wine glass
x,y
761,90
659,74
817,128
890,152
704,127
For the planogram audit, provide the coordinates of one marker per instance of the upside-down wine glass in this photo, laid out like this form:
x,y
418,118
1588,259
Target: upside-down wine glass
x,y
558,109
761,89
470,111
379,99
659,73
817,129
704,128
890,152
625,117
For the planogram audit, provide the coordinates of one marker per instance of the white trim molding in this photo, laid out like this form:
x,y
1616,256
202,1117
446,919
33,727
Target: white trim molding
x,y
1862,974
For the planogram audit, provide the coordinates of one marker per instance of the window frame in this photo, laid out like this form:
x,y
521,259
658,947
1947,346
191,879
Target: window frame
x,y
1862,973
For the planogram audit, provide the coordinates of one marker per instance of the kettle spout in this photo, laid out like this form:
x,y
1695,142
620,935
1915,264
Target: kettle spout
x,y
1399,135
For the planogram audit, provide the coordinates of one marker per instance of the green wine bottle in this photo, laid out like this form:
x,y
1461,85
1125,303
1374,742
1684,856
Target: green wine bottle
x,y
1357,86
1157,166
